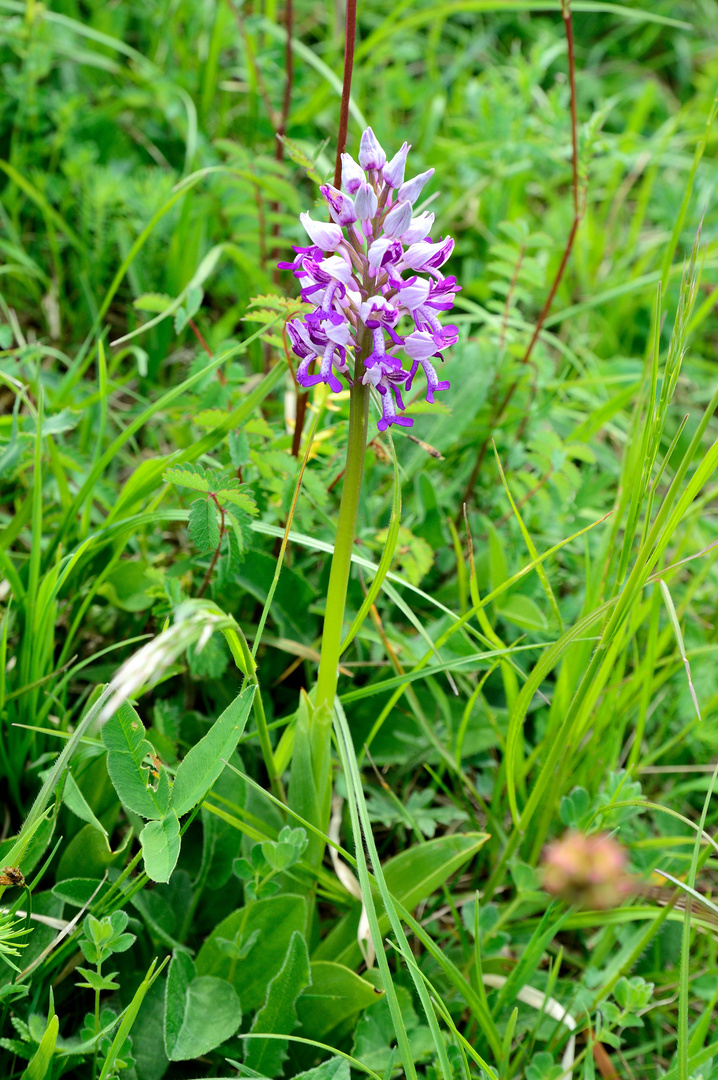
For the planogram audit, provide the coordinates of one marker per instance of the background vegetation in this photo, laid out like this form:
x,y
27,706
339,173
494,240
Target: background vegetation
x,y
144,200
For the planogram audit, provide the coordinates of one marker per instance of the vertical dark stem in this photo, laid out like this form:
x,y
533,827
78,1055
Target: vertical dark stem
x,y
577,217
284,115
289,65
299,423
210,568
349,38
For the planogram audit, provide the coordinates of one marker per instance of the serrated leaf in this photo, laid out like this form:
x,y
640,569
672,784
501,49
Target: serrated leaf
x,y
230,491
209,419
190,476
203,525
240,535
180,320
413,556
211,661
273,304
65,420
238,448
297,155
153,302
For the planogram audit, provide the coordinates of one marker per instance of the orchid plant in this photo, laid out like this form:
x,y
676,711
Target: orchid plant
x,y
375,280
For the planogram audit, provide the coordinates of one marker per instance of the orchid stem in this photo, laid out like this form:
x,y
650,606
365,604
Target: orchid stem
x,y
346,530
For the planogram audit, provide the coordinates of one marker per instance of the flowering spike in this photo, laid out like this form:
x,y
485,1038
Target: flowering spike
x,y
363,274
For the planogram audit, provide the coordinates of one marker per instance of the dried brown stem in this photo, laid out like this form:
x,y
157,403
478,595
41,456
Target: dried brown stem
x,y
284,117
349,39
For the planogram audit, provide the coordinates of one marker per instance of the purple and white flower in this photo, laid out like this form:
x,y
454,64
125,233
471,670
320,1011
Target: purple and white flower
x,y
374,277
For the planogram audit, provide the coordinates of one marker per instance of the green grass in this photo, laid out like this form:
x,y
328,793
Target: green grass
x,y
531,619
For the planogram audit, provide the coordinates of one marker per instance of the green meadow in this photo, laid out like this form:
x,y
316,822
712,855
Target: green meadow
x,y
331,749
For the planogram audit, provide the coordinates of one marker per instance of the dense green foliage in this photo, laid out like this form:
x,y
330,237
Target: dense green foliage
x,y
542,654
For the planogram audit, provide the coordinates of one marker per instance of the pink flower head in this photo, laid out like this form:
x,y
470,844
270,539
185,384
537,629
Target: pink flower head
x,y
589,871
373,274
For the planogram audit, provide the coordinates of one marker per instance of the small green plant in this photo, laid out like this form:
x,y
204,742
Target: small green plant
x,y
102,938
267,860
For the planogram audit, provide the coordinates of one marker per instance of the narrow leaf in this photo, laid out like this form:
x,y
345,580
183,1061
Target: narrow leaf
x,y
278,1016
205,761
137,788
39,1064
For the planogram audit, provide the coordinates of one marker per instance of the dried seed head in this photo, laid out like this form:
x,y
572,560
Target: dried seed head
x,y
589,871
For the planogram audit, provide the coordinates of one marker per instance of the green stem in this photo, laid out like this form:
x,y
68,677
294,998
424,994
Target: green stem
x,y
346,529
97,1023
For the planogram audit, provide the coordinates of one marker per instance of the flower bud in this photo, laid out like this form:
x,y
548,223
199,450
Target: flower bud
x,y
341,207
365,202
398,219
352,174
411,190
325,236
371,155
393,171
419,229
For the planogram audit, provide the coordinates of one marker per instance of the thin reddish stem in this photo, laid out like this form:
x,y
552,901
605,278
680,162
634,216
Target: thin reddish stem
x,y
349,39
210,568
284,117
198,334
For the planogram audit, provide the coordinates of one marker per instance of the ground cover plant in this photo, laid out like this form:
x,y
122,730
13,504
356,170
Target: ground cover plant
x,y
331,745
